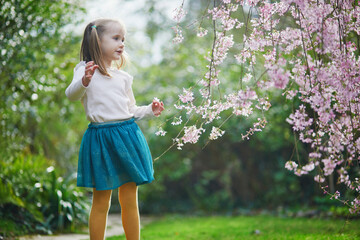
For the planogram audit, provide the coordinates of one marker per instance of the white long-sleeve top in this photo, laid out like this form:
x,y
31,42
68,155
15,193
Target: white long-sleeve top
x,y
106,98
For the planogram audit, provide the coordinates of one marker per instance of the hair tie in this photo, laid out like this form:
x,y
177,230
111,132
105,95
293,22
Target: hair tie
x,y
93,26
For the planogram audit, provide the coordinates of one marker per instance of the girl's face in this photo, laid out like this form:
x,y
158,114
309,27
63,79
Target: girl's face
x,y
112,42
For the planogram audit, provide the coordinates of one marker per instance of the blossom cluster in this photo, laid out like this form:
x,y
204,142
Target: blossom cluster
x,y
179,14
314,59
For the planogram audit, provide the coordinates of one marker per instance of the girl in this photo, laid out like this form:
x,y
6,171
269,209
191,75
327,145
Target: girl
x,y
113,152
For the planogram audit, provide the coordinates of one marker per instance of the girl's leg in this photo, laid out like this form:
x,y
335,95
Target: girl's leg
x,y
98,214
129,210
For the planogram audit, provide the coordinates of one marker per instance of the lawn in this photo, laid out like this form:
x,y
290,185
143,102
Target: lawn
x,y
247,227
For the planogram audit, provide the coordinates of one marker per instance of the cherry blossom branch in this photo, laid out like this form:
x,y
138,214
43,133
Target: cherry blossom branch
x,y
326,80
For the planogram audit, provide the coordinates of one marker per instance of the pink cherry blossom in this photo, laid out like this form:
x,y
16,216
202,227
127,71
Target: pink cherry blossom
x,y
290,165
187,96
300,119
179,13
178,35
192,134
312,58
202,32
161,132
319,179
216,133
176,121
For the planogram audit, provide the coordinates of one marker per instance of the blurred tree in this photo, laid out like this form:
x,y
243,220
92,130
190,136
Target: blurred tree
x,y
34,47
36,126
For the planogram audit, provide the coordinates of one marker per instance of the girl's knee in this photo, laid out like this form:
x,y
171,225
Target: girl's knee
x,y
101,200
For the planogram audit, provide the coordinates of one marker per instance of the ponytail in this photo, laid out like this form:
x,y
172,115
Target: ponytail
x,y
96,53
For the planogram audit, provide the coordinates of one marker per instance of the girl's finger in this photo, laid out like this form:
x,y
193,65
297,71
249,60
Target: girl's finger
x,y
87,68
92,69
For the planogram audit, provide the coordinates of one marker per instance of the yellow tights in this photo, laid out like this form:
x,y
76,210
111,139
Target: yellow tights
x,y
128,200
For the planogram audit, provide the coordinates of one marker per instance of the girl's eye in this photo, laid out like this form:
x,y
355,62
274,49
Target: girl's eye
x,y
123,40
116,38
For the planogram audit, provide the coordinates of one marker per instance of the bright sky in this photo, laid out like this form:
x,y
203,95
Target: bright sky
x,y
134,22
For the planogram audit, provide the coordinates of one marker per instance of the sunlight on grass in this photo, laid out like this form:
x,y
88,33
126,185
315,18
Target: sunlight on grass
x,y
244,227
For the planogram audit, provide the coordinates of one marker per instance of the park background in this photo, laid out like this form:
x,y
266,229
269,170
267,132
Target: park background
x,y
41,129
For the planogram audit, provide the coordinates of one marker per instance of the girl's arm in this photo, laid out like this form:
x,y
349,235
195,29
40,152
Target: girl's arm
x,y
76,89
138,111
82,77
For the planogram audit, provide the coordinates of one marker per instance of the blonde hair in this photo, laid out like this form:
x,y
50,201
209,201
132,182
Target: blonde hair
x,y
91,44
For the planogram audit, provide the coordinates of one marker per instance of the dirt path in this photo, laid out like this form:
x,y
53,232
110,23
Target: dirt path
x,y
114,227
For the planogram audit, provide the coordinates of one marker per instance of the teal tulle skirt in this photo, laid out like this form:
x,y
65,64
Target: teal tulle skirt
x,y
114,153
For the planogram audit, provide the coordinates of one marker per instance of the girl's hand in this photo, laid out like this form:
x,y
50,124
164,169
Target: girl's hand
x,y
89,72
157,107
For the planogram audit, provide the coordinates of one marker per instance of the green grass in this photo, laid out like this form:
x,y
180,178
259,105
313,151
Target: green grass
x,y
243,227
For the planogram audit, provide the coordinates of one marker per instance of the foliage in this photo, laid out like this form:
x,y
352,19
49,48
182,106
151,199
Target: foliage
x,y
247,227
35,61
35,197
35,64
